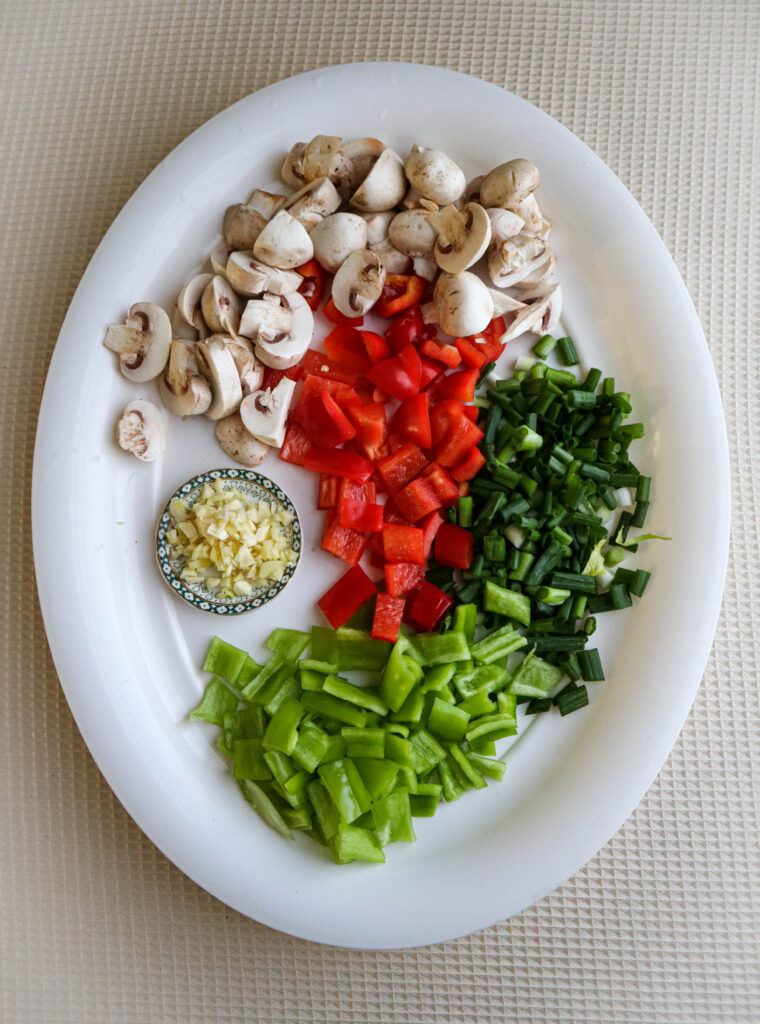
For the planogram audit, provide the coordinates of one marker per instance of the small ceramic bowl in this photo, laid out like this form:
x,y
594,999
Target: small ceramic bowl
x,y
258,488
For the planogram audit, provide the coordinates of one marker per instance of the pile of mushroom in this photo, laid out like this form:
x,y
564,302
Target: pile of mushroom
x,y
362,213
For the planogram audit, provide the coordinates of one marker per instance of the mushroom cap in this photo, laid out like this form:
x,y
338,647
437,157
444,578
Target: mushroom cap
x,y
284,243
530,212
509,183
356,160
504,223
236,442
181,329
284,334
141,430
183,390
265,413
435,175
425,266
322,156
189,303
292,167
463,236
462,305
317,199
412,232
378,225
393,260
336,237
265,203
221,306
358,283
142,341
472,189
384,186
216,363
249,276
242,226
219,257
513,260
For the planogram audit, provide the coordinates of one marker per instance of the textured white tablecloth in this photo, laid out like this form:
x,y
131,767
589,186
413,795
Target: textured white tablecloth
x,y
96,927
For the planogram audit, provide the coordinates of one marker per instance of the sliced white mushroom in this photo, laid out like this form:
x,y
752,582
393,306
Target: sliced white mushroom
x,y
189,303
217,365
142,341
508,184
424,266
266,203
180,328
462,236
336,237
540,275
393,261
284,243
282,329
511,261
221,306
356,160
250,370
384,186
504,224
357,284
292,168
317,199
141,431
265,413
249,276
539,317
242,226
219,257
435,175
503,303
378,225
530,212
462,305
236,442
183,390
413,232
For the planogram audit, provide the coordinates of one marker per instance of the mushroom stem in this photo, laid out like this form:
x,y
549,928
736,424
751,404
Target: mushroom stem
x,y
126,340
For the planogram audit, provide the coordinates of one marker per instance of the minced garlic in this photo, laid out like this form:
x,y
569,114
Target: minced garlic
x,y
229,541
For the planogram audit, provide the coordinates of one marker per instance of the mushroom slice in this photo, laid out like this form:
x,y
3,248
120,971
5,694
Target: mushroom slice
x,y
219,257
357,285
182,388
531,214
424,266
250,370
249,276
384,186
356,160
462,305
265,413
463,236
284,243
393,261
189,303
503,303
413,232
315,200
292,168
242,226
378,225
266,203
539,276
435,175
221,306
216,363
336,237
504,224
180,329
508,184
142,341
542,308
236,442
141,431
282,330
512,260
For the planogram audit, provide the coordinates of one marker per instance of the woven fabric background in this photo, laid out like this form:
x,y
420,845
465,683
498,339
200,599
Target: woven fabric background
x,y
96,926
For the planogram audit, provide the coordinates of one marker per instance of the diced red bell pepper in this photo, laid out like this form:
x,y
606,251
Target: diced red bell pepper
x,y
324,421
401,577
402,543
296,445
401,466
386,621
338,462
429,606
350,490
488,343
346,597
471,411
471,354
407,329
376,561
457,442
459,386
400,375
360,515
443,484
412,420
313,285
342,541
430,526
454,546
334,315
442,417
470,465
417,499
446,354
371,429
344,346
328,491
431,371
318,364
400,291
376,346
273,377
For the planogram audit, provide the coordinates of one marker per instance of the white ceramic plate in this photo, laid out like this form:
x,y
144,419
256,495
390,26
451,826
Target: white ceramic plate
x,y
127,651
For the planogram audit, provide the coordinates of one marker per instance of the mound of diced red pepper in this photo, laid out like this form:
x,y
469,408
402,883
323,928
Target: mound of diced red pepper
x,y
390,414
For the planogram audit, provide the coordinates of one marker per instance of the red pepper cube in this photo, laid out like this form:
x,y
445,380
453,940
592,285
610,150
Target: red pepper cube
x,y
454,546
470,466
412,420
371,429
376,346
324,421
400,375
333,314
430,526
408,329
296,446
273,377
401,577
350,489
342,541
402,466
400,291
360,515
429,606
446,354
338,462
417,499
459,386
403,543
319,365
344,345
442,482
457,442
346,597
313,285
328,491
471,354
443,415
386,621
431,371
